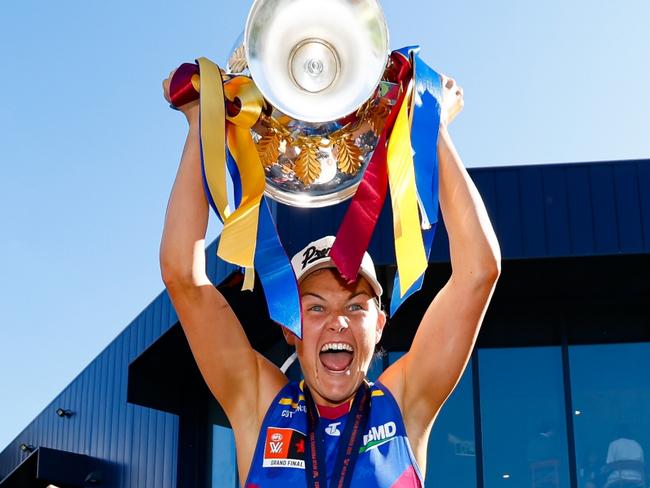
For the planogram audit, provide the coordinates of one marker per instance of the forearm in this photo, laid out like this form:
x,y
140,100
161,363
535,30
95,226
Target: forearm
x,y
474,248
182,250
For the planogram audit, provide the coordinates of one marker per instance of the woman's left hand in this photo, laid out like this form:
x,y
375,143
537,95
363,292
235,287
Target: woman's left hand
x,y
452,100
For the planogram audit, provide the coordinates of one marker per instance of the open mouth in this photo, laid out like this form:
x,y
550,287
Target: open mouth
x,y
336,356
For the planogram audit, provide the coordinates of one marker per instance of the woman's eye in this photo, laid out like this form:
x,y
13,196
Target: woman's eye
x,y
355,307
316,308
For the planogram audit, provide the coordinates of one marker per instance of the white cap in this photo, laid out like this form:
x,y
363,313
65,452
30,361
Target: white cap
x,y
316,255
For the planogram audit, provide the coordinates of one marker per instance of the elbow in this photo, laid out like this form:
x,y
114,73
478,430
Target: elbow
x,y
483,274
490,264
487,274
171,276
493,271
182,274
173,273
489,268
172,279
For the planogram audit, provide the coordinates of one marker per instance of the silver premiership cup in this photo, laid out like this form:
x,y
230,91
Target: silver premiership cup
x,y
320,65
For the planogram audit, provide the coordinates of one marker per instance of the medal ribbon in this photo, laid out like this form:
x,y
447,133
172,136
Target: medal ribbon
x,y
348,444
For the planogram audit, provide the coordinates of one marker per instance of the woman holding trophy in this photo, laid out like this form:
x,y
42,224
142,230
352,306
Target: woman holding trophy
x,y
333,428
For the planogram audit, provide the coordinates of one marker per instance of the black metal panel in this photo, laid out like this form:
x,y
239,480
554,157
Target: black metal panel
x,y
509,209
580,217
628,207
556,219
557,210
533,222
643,172
535,298
604,208
63,469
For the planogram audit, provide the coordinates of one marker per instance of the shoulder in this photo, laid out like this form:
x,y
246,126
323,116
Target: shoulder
x,y
384,407
286,404
417,422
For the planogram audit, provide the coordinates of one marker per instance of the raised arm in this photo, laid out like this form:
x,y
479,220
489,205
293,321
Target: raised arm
x,y
424,377
242,381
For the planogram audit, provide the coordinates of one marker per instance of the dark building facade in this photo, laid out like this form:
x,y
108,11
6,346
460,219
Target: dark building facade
x,y
556,394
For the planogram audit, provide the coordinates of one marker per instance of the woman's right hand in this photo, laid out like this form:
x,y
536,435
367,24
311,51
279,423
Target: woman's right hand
x,y
191,109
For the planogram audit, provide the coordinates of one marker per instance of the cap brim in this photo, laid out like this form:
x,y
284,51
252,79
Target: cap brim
x,y
329,263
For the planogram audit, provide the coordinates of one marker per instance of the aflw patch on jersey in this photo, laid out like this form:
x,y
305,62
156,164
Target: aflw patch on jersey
x,y
284,448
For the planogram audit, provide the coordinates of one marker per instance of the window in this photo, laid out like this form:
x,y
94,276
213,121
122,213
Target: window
x,y
224,458
611,402
523,418
451,454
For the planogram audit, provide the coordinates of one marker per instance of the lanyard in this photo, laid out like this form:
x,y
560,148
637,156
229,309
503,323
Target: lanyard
x,y
348,444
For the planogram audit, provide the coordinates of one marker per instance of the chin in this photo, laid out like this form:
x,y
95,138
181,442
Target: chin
x,y
338,387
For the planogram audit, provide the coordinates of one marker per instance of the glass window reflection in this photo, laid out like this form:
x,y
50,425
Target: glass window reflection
x,y
611,400
451,455
224,458
523,418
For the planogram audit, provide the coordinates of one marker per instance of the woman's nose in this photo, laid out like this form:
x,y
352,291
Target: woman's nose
x,y
339,323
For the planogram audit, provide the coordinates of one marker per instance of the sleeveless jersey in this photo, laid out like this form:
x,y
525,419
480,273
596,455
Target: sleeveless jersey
x,y
385,458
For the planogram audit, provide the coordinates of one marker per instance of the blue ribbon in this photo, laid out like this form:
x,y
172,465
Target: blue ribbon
x,y
424,140
271,261
235,177
276,274
206,188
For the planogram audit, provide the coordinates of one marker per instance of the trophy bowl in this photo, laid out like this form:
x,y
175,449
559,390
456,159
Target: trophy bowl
x,y
320,66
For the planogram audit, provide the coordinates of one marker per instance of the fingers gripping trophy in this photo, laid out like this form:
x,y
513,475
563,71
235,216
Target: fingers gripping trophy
x,y
313,109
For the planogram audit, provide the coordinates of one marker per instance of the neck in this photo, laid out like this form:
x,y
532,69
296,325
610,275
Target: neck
x,y
333,412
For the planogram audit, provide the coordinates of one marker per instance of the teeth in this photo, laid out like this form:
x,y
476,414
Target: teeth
x,y
336,346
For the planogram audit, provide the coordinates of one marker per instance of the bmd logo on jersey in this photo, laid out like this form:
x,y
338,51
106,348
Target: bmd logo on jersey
x,y
284,448
377,436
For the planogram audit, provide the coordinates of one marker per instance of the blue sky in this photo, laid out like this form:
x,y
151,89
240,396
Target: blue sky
x,y
89,149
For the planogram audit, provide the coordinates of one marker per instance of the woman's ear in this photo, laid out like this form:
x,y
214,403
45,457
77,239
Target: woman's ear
x,y
381,323
288,336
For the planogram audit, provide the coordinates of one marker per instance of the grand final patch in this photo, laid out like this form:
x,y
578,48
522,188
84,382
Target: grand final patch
x,y
284,448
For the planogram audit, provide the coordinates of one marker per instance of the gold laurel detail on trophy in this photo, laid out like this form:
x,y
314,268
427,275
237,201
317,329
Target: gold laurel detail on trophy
x,y
307,167
377,115
348,155
237,62
268,148
269,144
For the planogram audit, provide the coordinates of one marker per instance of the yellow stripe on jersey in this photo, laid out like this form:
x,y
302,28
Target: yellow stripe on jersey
x,y
289,401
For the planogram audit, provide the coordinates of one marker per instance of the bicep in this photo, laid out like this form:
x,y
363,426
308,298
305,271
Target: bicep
x,y
426,375
241,379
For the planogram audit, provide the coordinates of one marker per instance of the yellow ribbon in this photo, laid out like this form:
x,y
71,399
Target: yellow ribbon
x,y
239,235
213,133
409,246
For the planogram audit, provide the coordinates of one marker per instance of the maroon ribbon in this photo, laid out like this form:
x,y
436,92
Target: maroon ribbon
x,y
360,220
181,90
